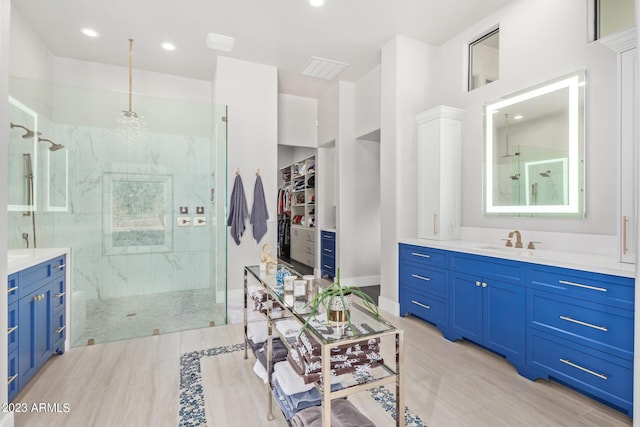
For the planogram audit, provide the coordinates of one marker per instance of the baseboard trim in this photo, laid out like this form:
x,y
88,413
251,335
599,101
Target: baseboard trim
x,y
360,281
389,306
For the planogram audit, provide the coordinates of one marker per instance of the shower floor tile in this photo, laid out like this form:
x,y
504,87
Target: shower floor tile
x,y
122,318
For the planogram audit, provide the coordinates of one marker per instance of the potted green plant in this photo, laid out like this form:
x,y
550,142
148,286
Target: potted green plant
x,y
337,299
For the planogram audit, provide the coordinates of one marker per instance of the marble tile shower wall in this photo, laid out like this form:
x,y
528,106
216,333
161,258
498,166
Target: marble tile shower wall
x,y
94,152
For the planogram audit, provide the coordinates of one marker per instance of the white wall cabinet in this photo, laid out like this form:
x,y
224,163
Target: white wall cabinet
x,y
439,140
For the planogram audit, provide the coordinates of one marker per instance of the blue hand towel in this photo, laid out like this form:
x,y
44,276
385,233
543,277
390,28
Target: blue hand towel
x,y
238,211
259,214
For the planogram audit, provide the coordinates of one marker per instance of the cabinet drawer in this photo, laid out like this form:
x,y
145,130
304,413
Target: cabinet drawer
x,y
58,295
328,266
13,378
12,288
599,374
304,258
303,234
423,256
34,277
601,288
425,306
606,328
309,248
424,279
58,332
12,327
488,267
328,237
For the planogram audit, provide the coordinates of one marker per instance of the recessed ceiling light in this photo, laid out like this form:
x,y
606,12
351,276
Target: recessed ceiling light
x,y
220,42
316,3
168,46
90,32
518,117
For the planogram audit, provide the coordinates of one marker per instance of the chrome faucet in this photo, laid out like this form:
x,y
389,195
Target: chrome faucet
x,y
518,243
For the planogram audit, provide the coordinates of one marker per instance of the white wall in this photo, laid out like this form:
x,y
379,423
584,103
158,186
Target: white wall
x,y
407,81
6,419
328,117
367,103
529,56
297,118
250,92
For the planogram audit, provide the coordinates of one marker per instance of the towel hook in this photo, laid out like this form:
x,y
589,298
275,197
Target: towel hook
x,y
258,172
238,171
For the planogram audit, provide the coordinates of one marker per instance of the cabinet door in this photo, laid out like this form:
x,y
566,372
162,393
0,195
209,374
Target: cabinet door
x,y
428,179
504,319
466,306
35,332
628,174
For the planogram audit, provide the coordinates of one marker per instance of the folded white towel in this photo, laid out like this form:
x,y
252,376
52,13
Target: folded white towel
x,y
259,370
289,380
288,328
257,331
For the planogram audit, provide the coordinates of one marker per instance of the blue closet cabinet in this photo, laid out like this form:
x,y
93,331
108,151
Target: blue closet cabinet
x,y
12,336
424,284
328,254
36,320
488,300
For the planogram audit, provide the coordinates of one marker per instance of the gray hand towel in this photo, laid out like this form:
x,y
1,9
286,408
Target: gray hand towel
x,y
259,214
238,211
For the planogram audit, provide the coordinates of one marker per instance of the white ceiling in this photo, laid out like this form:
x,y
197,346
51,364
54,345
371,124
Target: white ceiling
x,y
282,33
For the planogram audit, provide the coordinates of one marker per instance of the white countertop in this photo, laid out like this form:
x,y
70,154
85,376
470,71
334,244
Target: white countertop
x,y
19,259
578,261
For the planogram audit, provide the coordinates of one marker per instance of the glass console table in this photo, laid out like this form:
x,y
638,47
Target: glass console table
x,y
337,334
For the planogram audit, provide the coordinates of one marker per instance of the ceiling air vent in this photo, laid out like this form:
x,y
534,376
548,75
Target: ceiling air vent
x,y
323,68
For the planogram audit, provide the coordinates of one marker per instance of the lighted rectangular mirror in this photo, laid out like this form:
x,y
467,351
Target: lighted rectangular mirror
x,y
23,158
534,150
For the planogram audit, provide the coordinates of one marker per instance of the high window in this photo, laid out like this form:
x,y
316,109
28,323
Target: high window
x,y
484,59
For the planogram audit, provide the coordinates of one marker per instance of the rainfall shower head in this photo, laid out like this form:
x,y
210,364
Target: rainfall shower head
x,y
54,146
29,133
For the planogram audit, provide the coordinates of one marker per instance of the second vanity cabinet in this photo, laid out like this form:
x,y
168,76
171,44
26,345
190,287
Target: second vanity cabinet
x,y
36,322
572,326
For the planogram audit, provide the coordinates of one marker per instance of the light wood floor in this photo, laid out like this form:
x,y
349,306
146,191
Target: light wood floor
x,y
136,383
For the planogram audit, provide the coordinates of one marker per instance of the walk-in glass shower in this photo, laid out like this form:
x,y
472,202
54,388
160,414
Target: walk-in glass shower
x,y
143,212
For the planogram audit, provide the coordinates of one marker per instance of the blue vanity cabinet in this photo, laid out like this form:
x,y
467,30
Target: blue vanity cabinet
x,y
580,331
37,318
487,300
12,335
424,283
328,254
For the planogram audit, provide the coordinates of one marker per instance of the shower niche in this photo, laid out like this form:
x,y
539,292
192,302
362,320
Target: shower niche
x,y
137,210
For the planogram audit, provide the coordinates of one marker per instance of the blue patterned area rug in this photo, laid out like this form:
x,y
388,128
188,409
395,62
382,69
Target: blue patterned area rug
x,y
191,411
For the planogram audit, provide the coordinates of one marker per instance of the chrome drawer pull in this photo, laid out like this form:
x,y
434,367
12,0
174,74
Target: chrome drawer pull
x,y
328,266
59,329
428,307
327,250
588,371
11,330
15,288
579,322
420,255
60,267
59,294
426,279
12,378
580,285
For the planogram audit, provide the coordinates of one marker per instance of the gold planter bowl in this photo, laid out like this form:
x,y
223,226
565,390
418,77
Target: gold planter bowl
x,y
337,315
